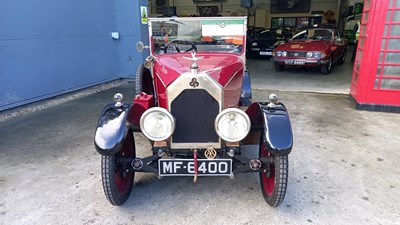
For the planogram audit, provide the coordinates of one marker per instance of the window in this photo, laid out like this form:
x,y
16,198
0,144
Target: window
x,y
295,22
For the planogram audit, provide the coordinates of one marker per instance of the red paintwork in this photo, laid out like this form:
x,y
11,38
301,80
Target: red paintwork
x,y
308,45
371,66
331,48
226,69
141,102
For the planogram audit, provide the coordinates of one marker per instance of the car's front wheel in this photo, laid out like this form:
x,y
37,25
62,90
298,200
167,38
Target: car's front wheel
x,y
143,81
327,68
279,67
342,59
117,182
274,178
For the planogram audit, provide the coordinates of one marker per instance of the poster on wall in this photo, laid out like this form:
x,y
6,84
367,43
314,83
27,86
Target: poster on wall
x,y
290,6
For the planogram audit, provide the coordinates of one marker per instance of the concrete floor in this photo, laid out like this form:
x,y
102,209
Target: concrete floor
x,y
343,168
264,76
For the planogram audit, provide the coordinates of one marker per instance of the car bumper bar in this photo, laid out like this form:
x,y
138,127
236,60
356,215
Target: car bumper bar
x,y
151,164
313,62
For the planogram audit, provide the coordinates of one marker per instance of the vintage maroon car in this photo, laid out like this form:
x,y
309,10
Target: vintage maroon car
x,y
316,46
194,105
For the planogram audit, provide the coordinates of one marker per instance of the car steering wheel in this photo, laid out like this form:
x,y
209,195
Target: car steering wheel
x,y
181,42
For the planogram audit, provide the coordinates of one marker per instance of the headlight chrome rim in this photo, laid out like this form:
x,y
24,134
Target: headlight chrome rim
x,y
226,112
163,112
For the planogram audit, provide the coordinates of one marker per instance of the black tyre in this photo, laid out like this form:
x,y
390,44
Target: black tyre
x,y
279,67
342,59
139,79
327,68
117,183
273,180
143,81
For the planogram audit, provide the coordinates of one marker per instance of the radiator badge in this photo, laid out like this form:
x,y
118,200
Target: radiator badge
x,y
210,153
194,83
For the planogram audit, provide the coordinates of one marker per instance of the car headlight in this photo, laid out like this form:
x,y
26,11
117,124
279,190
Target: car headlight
x,y
232,124
278,53
254,44
284,54
314,55
317,54
157,124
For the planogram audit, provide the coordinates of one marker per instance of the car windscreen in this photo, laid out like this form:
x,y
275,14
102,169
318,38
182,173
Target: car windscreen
x,y
314,34
203,35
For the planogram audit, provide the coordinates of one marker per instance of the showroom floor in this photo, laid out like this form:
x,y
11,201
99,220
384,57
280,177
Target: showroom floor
x,y
264,76
342,167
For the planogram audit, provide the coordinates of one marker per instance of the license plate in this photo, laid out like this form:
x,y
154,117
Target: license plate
x,y
265,53
294,62
185,167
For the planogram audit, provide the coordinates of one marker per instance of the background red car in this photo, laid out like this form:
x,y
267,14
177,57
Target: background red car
x,y
316,46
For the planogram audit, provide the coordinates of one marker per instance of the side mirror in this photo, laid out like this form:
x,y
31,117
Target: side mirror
x,y
140,46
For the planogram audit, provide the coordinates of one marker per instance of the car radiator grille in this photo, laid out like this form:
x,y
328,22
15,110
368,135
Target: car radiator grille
x,y
195,111
297,54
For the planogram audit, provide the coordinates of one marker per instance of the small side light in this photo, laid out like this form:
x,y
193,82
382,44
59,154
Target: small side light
x,y
118,97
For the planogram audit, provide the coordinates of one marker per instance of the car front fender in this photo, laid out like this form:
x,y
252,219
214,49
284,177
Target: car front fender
x,y
271,120
111,130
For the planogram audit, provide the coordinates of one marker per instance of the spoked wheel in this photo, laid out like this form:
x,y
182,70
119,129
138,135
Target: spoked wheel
x,y
117,183
143,81
274,178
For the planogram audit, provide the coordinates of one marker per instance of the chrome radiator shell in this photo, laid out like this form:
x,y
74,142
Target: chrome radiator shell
x,y
195,99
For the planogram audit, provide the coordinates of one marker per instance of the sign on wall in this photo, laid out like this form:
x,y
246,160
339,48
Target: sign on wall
x,y
143,14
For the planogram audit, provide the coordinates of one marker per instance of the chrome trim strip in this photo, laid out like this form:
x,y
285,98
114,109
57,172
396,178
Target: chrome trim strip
x,y
306,61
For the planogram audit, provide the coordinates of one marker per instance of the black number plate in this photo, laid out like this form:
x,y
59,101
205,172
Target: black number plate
x,y
185,167
294,62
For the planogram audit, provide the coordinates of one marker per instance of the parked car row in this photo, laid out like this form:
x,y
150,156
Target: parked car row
x,y
315,46
262,42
